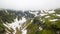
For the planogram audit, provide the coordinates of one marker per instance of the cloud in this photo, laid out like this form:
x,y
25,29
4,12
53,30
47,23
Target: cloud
x,y
29,4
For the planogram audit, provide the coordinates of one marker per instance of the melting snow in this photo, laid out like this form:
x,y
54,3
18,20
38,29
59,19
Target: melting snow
x,y
54,20
35,13
51,11
18,24
40,28
24,31
15,24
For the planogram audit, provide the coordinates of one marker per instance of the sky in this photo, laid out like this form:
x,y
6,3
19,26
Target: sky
x,y
29,4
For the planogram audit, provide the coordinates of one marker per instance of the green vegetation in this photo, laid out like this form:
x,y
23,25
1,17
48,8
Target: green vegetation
x,y
46,23
32,28
5,17
45,31
18,31
49,26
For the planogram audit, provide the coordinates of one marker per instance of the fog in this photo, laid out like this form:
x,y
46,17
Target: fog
x,y
29,4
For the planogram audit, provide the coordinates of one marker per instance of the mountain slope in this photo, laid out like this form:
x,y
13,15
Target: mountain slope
x,y
29,22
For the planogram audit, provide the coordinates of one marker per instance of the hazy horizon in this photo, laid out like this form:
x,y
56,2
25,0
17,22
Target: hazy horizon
x,y
29,4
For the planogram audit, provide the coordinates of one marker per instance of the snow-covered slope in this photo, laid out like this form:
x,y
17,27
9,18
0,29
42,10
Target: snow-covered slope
x,y
16,24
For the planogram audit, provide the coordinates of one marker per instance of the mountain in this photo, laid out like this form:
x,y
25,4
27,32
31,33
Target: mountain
x,y
29,22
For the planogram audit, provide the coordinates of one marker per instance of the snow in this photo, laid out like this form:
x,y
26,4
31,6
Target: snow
x,y
24,31
15,24
47,16
51,11
58,15
43,14
40,28
54,20
35,13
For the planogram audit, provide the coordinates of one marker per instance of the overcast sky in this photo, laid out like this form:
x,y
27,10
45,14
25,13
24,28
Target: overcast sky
x,y
29,4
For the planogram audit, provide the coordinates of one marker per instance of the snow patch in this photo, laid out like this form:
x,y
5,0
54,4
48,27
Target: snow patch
x,y
40,28
16,24
24,31
54,20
